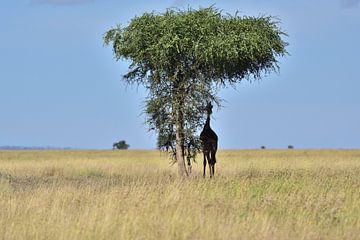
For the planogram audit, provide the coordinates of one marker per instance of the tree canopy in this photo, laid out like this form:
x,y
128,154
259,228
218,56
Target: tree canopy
x,y
183,56
121,145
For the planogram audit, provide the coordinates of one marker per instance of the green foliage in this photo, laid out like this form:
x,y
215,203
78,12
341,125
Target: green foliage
x,y
202,44
161,115
183,56
121,145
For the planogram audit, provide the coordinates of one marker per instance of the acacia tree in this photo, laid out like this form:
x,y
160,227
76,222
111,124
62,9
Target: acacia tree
x,y
183,56
121,145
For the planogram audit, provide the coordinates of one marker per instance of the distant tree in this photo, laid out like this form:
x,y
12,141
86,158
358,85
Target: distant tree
x,y
290,147
183,57
121,145
263,147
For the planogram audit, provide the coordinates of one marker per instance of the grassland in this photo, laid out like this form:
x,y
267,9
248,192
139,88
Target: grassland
x,y
256,194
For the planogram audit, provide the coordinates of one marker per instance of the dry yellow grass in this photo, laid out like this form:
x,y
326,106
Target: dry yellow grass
x,y
256,194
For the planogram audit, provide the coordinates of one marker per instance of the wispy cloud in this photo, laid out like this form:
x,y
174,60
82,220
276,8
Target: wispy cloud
x,y
349,3
60,2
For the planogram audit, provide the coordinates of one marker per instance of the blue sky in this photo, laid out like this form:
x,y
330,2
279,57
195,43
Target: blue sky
x,y
59,86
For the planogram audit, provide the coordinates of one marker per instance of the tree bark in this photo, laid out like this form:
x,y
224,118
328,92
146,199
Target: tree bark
x,y
180,154
179,121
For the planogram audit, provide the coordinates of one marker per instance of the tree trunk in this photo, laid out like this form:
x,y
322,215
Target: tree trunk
x,y
180,138
180,154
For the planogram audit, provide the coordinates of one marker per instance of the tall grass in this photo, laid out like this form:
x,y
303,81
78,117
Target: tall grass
x,y
256,194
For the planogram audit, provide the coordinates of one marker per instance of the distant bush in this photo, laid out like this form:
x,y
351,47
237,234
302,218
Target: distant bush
x,y
263,147
121,145
290,147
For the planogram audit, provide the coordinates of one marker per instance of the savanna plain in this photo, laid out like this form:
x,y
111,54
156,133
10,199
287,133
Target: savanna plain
x,y
136,194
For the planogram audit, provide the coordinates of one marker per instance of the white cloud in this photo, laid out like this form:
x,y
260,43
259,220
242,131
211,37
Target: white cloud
x,y
60,2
